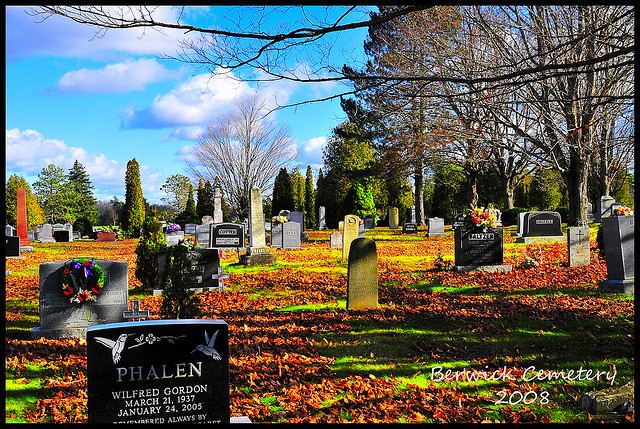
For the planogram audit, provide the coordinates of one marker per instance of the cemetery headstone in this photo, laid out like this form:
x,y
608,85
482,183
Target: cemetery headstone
x,y
369,222
458,220
478,250
296,216
291,235
207,220
409,228
204,262
350,233
411,214
173,237
322,223
541,226
436,226
217,205
362,275
521,223
46,234
190,228
267,226
21,216
61,236
603,207
590,216
105,236
618,235
276,235
257,252
12,246
394,221
60,318
32,235
158,371
69,227
9,231
578,246
203,234
76,235
498,216
341,225
360,229
227,235
135,313
335,240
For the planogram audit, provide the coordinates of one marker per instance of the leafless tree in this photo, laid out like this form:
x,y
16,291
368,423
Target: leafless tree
x,y
243,150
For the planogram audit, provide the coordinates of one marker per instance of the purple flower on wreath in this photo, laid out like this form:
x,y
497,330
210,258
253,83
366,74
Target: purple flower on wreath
x,y
173,227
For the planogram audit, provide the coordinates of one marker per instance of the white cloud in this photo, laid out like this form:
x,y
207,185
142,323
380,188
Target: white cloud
x,y
120,77
28,152
311,153
31,35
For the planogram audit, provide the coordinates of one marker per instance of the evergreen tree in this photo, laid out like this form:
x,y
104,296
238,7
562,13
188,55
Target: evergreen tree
x,y
360,200
54,194
84,204
298,180
448,192
189,214
178,302
282,192
35,215
152,242
310,200
134,207
200,204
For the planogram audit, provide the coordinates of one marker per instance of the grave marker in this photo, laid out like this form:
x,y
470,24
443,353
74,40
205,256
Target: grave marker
x,y
477,250
322,223
203,234
12,246
217,205
227,235
105,236
409,228
190,228
61,319
46,234
578,246
21,216
436,226
135,313
369,222
158,371
618,235
362,275
394,221
257,252
350,233
335,240
541,226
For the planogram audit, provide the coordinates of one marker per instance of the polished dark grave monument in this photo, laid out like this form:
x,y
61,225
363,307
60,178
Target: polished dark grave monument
x,y
478,250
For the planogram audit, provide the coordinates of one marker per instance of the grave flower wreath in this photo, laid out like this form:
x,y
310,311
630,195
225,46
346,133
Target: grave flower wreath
x,y
280,219
82,280
173,227
622,211
481,218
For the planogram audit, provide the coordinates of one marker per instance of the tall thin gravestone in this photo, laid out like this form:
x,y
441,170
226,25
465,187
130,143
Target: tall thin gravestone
x,y
217,205
578,246
350,233
21,217
257,252
618,235
322,224
394,221
362,275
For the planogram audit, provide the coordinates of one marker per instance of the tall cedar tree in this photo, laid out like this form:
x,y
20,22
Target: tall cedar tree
x,y
152,242
85,202
178,302
309,200
35,215
282,192
54,194
200,199
134,208
189,214
297,180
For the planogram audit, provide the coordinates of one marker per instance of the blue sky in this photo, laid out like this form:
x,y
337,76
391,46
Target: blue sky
x,y
106,100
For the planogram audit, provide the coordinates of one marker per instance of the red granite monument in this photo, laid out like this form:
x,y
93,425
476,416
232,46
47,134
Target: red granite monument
x,y
21,215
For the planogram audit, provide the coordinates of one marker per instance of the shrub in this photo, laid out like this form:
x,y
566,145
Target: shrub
x,y
178,302
152,242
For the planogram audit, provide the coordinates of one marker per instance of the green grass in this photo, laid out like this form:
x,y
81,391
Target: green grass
x,y
23,391
315,307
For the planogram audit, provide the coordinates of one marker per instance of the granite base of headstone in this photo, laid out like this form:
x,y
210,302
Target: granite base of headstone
x,y
60,318
362,275
158,371
479,250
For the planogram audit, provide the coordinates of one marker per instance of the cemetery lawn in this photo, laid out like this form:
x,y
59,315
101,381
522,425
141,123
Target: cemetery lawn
x,y
297,355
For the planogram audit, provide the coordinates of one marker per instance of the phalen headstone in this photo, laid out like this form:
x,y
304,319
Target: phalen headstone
x,y
362,275
578,246
350,233
436,226
60,318
618,235
394,220
478,250
158,372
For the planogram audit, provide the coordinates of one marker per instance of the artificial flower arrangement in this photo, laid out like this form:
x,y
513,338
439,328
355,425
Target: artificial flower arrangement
x,y
482,218
173,227
280,219
622,211
190,243
82,280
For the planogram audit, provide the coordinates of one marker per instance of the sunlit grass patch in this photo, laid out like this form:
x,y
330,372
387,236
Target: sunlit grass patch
x,y
315,307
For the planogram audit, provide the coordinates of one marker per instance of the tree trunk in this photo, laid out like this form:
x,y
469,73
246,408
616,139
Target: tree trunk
x,y
472,187
576,178
509,190
605,158
418,177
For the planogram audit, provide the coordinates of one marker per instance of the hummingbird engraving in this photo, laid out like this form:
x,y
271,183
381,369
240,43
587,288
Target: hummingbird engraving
x,y
207,348
115,346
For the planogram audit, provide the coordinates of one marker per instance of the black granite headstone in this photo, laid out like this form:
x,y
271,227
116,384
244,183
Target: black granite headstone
x,y
61,235
225,235
159,371
541,224
458,220
474,247
12,246
369,222
409,228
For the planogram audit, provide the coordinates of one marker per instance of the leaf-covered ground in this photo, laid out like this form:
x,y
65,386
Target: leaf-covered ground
x,y
297,355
